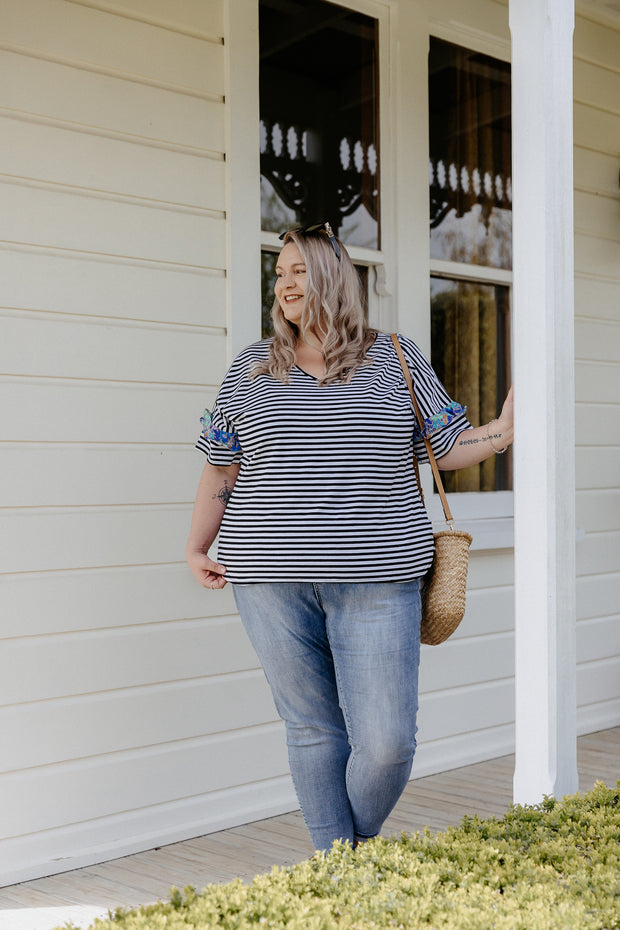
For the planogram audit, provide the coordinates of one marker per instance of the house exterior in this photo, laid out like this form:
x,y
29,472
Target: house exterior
x,y
132,708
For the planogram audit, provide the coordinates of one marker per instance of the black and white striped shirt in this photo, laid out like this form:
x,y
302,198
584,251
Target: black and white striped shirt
x,y
327,490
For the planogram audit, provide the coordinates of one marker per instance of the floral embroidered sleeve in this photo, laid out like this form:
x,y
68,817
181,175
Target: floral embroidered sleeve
x,y
438,420
219,436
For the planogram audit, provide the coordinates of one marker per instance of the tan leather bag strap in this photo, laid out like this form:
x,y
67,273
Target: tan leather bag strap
x,y
429,448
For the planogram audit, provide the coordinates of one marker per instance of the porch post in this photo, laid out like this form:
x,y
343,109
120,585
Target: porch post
x,y
542,132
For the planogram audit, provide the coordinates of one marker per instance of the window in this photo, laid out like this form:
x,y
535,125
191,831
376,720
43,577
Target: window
x,y
470,240
319,128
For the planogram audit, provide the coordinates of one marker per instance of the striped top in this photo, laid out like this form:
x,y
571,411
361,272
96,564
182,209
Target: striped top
x,y
326,489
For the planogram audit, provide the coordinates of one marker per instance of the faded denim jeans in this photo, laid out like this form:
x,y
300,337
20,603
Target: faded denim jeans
x,y
342,662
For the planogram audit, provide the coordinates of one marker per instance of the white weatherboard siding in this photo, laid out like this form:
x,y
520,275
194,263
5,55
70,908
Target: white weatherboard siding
x,y
131,706
597,351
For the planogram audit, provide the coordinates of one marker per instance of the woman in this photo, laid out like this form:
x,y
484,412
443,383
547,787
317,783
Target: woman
x,y
322,532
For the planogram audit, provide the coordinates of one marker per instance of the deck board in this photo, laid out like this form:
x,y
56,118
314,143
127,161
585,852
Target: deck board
x,y
436,801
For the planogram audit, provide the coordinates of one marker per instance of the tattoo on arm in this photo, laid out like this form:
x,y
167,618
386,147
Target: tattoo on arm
x,y
473,442
224,494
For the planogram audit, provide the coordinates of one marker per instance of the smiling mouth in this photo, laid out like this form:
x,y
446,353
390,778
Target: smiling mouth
x,y
292,297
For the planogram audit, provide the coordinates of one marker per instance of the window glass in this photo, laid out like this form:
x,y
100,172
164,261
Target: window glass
x,y
470,339
470,162
319,119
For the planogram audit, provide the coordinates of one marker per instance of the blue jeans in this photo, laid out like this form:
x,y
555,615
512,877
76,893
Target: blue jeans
x,y
342,663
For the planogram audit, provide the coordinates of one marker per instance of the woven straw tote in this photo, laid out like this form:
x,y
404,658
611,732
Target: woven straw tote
x,y
443,593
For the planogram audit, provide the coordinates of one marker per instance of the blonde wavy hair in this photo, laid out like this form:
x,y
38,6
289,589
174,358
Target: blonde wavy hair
x,y
333,310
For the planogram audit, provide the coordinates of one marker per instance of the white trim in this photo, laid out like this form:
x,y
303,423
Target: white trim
x,y
545,628
462,271
469,37
243,166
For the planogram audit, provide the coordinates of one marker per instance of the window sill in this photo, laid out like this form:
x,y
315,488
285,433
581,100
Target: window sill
x,y
488,532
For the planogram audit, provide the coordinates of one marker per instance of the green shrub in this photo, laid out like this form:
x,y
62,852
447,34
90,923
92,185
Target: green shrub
x,y
554,865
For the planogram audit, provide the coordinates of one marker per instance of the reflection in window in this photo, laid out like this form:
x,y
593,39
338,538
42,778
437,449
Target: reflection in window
x,y
319,118
470,337
470,166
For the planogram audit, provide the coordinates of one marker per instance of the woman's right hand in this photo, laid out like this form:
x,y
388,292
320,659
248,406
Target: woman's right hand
x,y
208,573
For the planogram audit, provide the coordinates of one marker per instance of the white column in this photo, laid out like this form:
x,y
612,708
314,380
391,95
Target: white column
x,y
542,133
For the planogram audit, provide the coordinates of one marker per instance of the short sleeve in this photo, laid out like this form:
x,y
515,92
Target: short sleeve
x,y
444,418
218,439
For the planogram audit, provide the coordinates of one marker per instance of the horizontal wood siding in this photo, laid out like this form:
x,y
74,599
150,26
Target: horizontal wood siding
x,y
597,348
131,703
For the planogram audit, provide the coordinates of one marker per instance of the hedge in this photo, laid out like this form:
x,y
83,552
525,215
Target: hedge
x,y
553,865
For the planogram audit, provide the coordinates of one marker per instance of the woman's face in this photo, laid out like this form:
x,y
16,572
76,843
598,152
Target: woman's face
x,y
290,283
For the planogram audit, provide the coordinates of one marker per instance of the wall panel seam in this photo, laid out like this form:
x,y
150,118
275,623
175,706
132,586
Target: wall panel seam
x,y
599,192
94,319
602,237
108,382
111,196
595,63
109,257
149,21
129,76
595,106
116,134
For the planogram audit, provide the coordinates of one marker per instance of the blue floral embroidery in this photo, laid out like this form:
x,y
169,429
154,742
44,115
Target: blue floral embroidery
x,y
220,436
438,420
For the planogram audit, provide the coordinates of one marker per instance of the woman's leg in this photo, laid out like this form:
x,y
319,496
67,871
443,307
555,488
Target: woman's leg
x,y
286,625
374,635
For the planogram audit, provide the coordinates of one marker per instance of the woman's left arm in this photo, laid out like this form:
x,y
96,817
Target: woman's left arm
x,y
475,445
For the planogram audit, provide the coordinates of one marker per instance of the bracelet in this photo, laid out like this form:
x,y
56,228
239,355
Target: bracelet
x,y
497,451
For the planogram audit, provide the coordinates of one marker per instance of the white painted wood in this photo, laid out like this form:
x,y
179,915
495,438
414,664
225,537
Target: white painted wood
x,y
596,171
243,146
597,381
100,411
597,298
82,844
596,129
599,550
192,16
462,662
599,510
596,42
598,467
600,636
598,681
109,288
450,713
34,668
597,86
134,474
88,223
30,602
597,215
118,720
114,166
53,539
596,256
44,90
108,785
96,40
44,344
544,484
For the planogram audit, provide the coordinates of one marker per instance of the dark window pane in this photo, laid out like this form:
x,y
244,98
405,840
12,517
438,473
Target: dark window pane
x,y
470,162
268,279
470,339
319,118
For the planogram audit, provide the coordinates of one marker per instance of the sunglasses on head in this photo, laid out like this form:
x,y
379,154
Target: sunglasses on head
x,y
319,227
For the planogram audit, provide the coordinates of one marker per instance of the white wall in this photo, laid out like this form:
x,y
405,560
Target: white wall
x,y
597,349
131,708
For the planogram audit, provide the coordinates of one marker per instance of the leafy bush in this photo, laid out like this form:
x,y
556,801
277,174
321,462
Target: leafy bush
x,y
553,865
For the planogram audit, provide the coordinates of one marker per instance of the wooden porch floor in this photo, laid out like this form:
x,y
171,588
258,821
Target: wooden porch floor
x,y
436,801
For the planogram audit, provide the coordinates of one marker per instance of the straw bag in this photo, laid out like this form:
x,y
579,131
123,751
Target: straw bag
x,y
443,593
